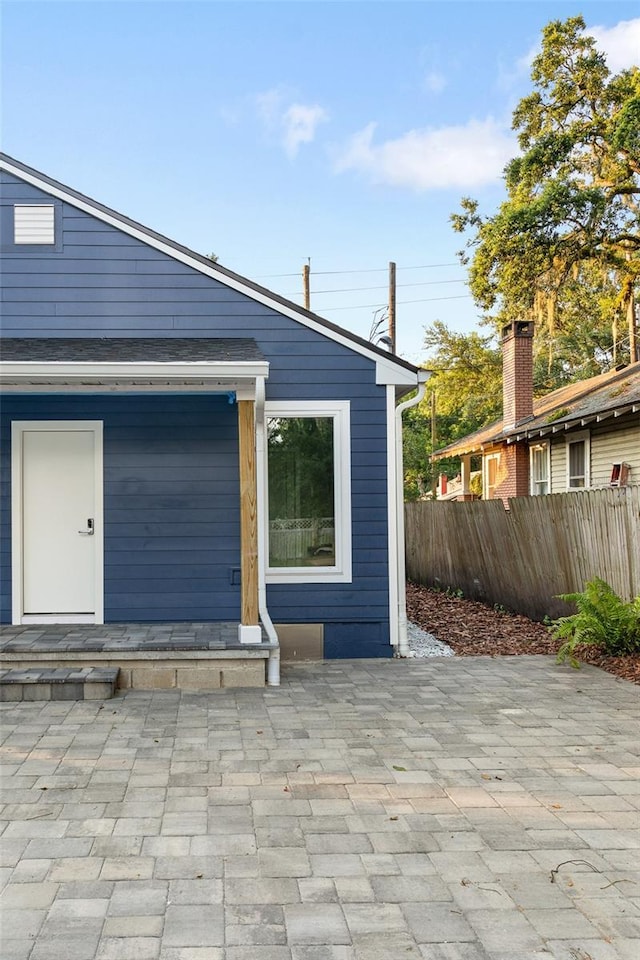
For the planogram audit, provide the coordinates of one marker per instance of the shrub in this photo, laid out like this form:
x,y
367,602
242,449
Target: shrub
x,y
603,620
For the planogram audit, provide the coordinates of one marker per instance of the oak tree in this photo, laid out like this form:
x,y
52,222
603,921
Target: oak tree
x,y
564,248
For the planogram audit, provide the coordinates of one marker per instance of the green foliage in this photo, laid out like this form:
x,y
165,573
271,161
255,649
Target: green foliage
x,y
603,620
558,414
300,467
565,244
467,380
416,441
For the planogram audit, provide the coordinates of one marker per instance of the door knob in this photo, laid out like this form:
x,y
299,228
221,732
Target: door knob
x,y
89,531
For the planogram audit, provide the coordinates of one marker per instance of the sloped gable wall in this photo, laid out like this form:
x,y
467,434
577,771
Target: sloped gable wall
x,y
98,281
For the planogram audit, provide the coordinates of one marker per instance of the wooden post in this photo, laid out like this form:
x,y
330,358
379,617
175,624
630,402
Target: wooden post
x,y
434,440
465,477
631,320
392,306
306,271
248,513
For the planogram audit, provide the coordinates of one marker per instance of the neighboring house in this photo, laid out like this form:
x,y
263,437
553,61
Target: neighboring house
x,y
582,436
453,489
180,444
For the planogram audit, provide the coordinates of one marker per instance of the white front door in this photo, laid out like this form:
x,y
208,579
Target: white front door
x,y
59,507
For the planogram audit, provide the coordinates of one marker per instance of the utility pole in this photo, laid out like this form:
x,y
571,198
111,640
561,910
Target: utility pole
x,y
434,478
392,305
306,272
631,320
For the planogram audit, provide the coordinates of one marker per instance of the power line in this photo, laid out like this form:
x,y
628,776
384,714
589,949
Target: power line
x,y
424,283
362,306
326,273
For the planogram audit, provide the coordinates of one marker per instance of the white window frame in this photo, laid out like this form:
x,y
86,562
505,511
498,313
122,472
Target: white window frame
x,y
545,446
41,232
340,412
583,437
485,473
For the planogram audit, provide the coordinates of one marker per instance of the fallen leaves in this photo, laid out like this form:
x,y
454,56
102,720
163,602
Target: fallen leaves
x,y
473,629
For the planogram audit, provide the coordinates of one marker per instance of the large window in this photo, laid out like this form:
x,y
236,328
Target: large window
x,y
309,491
539,469
578,466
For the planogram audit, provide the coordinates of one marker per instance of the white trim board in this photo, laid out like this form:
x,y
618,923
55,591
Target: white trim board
x,y
26,370
340,411
18,429
387,367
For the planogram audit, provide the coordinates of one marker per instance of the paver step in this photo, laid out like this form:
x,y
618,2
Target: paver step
x,y
62,683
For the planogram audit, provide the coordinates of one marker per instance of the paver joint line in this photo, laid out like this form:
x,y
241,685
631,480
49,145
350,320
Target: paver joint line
x,y
365,810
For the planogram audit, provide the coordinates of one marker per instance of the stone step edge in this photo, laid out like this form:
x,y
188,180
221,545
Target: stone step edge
x,y
46,683
32,675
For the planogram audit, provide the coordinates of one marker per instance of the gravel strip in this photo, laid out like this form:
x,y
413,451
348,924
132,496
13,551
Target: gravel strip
x,y
423,644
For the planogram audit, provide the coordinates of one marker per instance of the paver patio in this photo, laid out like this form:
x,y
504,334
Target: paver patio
x,y
364,810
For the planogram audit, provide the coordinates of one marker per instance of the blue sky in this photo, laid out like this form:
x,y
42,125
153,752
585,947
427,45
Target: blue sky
x,y
273,132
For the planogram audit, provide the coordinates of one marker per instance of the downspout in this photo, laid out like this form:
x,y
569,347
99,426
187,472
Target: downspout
x,y
402,649
273,664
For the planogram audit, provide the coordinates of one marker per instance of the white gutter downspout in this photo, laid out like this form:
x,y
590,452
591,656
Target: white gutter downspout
x,y
402,649
273,665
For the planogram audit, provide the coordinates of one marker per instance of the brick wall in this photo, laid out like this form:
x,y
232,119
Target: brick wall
x,y
514,472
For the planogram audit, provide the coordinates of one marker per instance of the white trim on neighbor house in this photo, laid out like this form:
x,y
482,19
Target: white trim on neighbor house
x,y
340,411
582,437
18,430
534,484
486,486
236,283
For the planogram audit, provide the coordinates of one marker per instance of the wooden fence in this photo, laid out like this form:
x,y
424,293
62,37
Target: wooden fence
x,y
522,557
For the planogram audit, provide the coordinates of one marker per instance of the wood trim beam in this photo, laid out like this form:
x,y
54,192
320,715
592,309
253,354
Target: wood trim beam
x,y
248,513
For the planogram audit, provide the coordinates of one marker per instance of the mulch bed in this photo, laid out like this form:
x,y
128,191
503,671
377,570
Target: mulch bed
x,y
473,629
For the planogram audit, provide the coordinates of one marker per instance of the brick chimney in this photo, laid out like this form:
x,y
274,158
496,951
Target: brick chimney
x,y
517,372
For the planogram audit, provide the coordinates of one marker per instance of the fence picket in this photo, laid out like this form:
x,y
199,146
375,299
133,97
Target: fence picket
x,y
524,557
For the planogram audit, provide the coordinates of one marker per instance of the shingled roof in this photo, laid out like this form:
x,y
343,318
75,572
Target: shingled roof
x,y
578,404
131,349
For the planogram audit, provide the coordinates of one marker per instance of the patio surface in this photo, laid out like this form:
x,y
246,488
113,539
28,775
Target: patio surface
x,y
120,637
364,810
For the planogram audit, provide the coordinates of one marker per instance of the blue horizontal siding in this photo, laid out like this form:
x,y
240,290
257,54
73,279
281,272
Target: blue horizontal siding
x,y
154,522
103,283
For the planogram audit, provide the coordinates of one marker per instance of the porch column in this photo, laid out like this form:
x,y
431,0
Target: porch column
x,y
249,630
465,477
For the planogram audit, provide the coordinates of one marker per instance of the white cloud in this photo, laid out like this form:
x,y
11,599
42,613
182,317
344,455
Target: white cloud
x,y
294,123
461,157
620,44
300,122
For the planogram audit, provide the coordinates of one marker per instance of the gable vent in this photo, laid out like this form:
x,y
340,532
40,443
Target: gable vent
x,y
34,223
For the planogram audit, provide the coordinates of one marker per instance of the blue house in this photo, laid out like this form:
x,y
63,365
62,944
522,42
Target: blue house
x,y
179,445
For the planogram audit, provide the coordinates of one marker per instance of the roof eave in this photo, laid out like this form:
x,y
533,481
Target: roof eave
x,y
204,265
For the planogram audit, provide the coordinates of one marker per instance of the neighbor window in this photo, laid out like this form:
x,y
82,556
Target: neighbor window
x,y
34,223
539,469
578,462
491,473
309,491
